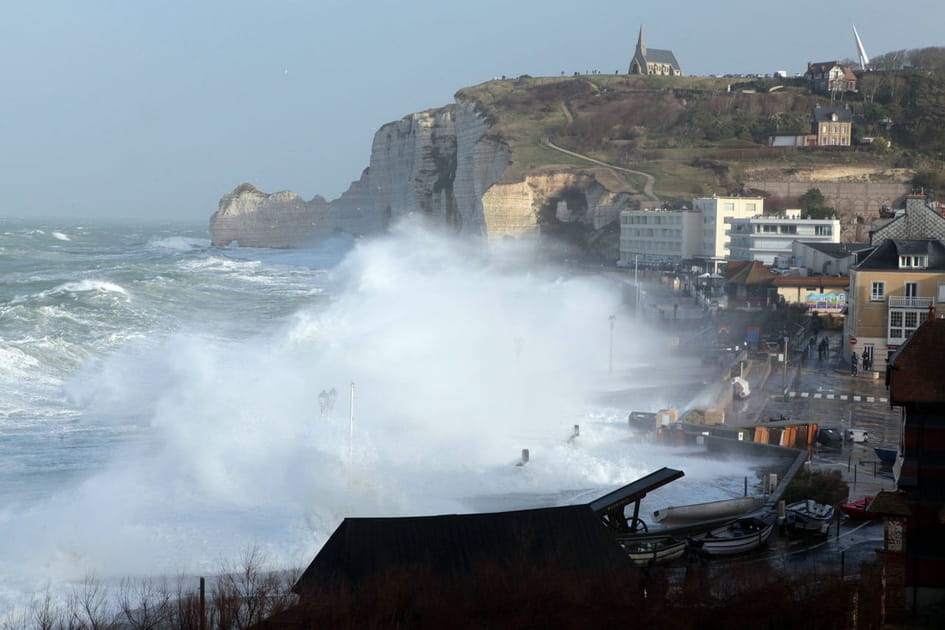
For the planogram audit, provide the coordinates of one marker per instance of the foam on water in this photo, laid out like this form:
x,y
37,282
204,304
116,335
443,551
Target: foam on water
x,y
207,444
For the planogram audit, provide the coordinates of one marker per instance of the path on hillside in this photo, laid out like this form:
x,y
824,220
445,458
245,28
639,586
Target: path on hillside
x,y
649,179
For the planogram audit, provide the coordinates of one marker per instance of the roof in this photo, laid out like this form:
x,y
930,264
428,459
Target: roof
x,y
886,255
655,55
570,538
824,113
754,273
812,281
821,66
889,504
836,250
636,490
916,370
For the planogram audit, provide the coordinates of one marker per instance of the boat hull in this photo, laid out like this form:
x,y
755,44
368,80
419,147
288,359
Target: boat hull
x,y
809,516
649,550
740,536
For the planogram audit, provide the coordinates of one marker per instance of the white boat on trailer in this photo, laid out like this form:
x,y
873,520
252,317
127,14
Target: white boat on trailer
x,y
809,516
738,536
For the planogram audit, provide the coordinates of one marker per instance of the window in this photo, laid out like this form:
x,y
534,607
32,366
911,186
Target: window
x,y
912,289
878,292
941,293
823,230
770,229
788,229
913,262
895,324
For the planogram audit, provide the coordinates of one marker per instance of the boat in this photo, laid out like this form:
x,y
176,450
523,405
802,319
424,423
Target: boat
x,y
739,536
648,550
886,455
808,515
707,511
857,509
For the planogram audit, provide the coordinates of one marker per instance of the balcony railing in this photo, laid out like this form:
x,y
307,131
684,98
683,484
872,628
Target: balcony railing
x,y
898,301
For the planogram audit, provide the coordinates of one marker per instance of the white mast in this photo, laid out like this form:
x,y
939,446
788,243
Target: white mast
x,y
864,60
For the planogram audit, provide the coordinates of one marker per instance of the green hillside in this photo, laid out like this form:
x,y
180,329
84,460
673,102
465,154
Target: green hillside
x,y
701,135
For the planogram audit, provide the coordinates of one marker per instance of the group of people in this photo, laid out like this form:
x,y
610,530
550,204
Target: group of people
x,y
855,362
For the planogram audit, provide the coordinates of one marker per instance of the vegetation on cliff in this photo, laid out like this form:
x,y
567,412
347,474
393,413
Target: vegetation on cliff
x,y
704,135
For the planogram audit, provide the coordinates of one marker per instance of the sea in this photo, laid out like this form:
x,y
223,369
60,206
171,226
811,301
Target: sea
x,y
168,407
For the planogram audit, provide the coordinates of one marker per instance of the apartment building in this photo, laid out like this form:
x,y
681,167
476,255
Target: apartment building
x,y
770,239
892,291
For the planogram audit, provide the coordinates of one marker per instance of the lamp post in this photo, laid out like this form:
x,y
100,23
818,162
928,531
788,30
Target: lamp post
x,y
610,363
784,373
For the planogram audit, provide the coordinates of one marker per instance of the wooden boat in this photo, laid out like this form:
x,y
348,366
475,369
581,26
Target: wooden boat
x,y
886,455
739,536
809,516
707,511
857,509
647,550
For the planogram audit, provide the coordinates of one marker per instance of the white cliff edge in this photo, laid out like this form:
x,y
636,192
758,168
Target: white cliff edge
x,y
441,164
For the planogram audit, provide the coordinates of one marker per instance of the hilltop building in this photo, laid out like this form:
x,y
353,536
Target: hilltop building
x,y
653,61
830,127
830,76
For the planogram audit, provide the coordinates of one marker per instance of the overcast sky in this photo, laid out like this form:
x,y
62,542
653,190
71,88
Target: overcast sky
x,y
147,108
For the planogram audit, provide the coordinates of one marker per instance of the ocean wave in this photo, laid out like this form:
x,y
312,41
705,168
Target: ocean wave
x,y
87,286
179,243
60,236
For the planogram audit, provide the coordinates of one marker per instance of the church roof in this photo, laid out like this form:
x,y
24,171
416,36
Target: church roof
x,y
655,55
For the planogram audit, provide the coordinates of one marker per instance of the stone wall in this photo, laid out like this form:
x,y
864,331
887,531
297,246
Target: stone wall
x,y
857,203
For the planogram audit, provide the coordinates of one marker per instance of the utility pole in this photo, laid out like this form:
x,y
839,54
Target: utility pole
x,y
610,363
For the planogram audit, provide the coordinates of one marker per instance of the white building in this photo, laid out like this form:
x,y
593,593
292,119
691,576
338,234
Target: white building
x,y
770,239
659,236
671,236
717,215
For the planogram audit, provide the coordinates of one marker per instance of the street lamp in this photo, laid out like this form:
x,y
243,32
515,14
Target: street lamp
x,y
610,364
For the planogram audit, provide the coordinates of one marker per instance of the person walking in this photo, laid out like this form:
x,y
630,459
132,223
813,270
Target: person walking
x,y
854,364
866,361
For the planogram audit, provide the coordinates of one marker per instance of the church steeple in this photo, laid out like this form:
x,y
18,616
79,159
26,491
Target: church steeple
x,y
641,45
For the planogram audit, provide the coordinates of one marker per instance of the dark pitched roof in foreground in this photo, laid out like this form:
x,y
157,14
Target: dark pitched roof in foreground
x,y
569,538
886,255
836,250
917,369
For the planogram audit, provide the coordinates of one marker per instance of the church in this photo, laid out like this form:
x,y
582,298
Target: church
x,y
653,61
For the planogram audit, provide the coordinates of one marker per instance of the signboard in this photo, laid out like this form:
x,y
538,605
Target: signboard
x,y
852,341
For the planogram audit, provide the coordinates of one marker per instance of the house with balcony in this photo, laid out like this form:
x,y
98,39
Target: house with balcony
x,y
770,239
892,291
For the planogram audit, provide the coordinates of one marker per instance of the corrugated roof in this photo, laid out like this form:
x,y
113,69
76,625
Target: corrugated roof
x,y
569,538
917,369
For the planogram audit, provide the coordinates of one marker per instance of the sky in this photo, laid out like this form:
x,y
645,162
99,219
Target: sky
x,y
151,109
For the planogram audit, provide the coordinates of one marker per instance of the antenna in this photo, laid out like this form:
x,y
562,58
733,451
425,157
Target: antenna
x,y
864,60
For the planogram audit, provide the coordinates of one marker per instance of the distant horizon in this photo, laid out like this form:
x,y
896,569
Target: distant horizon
x,y
143,110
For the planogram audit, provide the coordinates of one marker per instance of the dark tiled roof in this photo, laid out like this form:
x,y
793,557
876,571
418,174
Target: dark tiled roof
x,y
570,538
886,255
823,114
917,368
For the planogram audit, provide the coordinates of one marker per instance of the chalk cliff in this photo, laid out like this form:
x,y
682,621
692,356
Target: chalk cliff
x,y
444,164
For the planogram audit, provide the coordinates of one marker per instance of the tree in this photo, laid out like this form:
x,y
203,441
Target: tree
x,y
815,205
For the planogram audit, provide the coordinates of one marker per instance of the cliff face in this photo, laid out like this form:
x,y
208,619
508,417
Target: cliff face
x,y
441,163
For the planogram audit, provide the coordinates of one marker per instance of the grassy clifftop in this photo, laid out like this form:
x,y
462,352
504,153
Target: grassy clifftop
x,y
695,135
